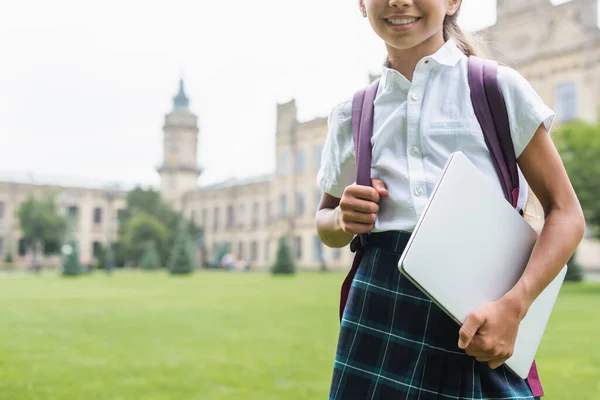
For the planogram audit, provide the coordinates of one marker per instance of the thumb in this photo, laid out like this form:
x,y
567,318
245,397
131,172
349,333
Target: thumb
x,y
468,330
379,186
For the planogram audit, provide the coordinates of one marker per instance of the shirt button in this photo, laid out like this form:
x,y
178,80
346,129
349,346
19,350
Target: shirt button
x,y
414,151
419,191
414,97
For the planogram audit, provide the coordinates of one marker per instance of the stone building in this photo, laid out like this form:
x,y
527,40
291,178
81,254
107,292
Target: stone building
x,y
556,47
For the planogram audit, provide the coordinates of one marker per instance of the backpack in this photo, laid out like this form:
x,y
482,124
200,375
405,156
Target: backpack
x,y
490,110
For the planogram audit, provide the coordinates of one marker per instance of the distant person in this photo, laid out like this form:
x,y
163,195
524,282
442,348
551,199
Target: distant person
x,y
394,343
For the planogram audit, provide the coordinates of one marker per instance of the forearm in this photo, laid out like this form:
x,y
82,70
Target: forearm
x,y
330,230
562,232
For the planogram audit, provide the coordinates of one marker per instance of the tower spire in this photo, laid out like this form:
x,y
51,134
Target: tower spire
x,y
181,101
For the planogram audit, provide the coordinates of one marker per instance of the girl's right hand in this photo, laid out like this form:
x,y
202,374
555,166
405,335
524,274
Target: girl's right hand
x,y
359,205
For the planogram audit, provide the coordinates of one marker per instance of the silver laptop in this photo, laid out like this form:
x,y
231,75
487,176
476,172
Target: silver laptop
x,y
470,247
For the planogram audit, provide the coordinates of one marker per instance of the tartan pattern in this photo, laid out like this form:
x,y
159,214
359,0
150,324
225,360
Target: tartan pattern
x,y
394,343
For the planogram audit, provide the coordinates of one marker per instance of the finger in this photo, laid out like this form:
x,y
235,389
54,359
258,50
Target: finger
x,y
364,193
359,205
357,228
379,186
472,324
352,216
477,346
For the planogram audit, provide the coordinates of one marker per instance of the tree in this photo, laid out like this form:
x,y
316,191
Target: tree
x,y
150,260
101,258
182,260
149,203
110,259
71,265
579,146
8,258
43,228
284,264
141,229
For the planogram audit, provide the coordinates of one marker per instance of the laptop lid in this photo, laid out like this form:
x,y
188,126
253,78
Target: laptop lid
x,y
470,247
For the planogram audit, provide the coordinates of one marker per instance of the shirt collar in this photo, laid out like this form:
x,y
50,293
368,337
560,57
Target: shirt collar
x,y
449,55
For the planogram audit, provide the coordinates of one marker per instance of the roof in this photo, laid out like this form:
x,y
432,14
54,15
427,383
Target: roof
x,y
32,178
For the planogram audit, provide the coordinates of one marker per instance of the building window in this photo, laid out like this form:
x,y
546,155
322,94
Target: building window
x,y
299,203
283,163
1,247
216,219
255,214
1,210
241,250
298,247
267,250
22,248
253,251
283,205
317,248
204,221
337,254
318,154
566,102
300,161
229,222
73,212
96,247
97,215
242,222
268,213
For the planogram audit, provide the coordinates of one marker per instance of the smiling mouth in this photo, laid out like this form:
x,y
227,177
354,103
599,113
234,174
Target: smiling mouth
x,y
402,22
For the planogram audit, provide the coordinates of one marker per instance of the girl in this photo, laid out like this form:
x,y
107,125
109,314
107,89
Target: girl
x,y
394,343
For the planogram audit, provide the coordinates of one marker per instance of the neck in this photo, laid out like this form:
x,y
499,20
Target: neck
x,y
405,61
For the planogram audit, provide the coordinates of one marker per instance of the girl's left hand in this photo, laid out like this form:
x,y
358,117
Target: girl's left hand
x,y
489,333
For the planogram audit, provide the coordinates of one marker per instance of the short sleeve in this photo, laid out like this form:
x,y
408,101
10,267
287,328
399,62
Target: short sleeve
x,y
526,109
338,165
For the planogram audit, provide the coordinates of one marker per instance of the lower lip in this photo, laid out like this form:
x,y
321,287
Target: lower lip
x,y
403,27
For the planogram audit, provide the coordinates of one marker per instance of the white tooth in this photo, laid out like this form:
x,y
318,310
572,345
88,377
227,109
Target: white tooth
x,y
402,21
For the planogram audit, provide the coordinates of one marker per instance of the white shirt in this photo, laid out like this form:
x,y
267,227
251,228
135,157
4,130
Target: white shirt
x,y
417,125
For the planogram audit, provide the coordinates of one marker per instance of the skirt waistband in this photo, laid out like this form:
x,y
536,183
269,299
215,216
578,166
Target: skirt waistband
x,y
394,241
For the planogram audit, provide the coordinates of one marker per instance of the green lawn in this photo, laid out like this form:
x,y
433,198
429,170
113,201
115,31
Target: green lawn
x,y
134,336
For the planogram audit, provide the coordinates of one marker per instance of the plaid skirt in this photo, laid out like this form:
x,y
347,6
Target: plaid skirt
x,y
394,343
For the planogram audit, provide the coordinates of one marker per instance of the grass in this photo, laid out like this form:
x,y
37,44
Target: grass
x,y
149,336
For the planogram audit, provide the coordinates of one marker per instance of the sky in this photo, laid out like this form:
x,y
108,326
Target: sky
x,y
84,88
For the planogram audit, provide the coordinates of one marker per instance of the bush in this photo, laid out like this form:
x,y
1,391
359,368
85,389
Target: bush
x,y
151,259
8,259
284,264
101,259
574,271
182,261
71,265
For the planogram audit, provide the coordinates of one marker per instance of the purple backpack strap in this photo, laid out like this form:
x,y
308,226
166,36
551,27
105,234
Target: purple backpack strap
x,y
362,130
490,109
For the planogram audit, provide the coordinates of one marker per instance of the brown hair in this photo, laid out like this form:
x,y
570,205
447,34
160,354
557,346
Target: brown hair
x,y
468,43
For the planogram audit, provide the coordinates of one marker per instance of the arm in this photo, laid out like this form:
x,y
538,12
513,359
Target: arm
x,y
329,227
338,220
490,332
564,223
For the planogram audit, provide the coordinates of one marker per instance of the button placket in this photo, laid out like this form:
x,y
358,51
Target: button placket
x,y
414,146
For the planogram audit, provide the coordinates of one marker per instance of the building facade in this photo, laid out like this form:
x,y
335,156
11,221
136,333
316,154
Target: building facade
x,y
556,47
